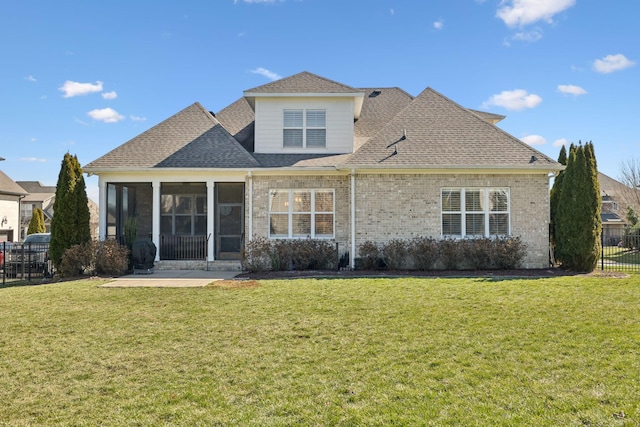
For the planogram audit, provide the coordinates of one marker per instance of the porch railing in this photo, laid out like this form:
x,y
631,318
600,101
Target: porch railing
x,y
175,247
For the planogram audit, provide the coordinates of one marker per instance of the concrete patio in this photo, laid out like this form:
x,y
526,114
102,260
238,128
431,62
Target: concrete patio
x,y
171,279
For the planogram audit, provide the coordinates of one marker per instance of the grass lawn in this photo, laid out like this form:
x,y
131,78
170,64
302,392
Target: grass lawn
x,y
349,352
621,255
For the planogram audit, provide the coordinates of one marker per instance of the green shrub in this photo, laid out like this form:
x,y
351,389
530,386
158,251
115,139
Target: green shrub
x,y
394,254
112,258
369,254
424,251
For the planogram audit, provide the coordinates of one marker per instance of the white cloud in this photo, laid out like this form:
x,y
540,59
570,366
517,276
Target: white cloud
x,y
517,13
137,118
30,78
571,90
264,72
516,100
71,89
533,140
611,63
528,36
32,159
109,95
560,142
106,115
392,12
439,24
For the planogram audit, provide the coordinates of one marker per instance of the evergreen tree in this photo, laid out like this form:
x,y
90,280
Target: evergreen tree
x,y
555,194
70,223
36,225
578,222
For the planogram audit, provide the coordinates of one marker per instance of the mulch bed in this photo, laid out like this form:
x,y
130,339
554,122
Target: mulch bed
x,y
524,273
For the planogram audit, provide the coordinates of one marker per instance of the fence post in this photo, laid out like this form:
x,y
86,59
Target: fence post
x,y
602,250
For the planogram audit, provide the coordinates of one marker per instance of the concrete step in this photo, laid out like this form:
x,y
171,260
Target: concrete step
x,y
218,265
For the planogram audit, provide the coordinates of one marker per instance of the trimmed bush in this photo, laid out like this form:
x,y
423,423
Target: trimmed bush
x,y
478,253
79,260
508,252
256,255
112,258
261,254
424,251
369,255
394,254
451,253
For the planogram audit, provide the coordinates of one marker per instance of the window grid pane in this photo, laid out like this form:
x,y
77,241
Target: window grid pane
x,y
292,118
316,137
292,137
316,118
301,213
301,224
452,224
474,224
451,201
474,200
499,200
499,224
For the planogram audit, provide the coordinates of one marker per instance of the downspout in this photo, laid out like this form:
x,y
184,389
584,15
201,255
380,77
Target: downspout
x,y
250,206
352,263
20,219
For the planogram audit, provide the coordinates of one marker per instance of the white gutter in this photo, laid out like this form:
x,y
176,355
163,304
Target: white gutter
x,y
250,206
352,263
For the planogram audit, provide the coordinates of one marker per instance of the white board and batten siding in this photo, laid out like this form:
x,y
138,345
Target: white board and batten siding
x,y
269,124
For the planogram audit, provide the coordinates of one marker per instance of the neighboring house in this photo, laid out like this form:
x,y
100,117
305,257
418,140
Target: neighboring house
x,y
616,198
305,156
40,196
10,195
43,197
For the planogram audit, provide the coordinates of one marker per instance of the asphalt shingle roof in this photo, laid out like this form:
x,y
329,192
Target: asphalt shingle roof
x,y
304,82
215,148
9,186
441,133
154,146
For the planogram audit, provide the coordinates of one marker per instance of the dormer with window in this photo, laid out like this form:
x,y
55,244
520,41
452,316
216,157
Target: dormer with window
x,y
304,114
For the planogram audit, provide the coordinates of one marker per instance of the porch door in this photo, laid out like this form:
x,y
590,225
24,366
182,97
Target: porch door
x,y
229,218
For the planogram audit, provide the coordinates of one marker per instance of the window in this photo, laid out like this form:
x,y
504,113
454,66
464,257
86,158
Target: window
x,y
301,213
304,129
475,212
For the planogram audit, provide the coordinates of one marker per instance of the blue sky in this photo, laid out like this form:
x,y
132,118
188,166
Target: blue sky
x,y
84,77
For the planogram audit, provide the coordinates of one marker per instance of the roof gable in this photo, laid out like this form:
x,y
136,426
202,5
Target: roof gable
x,y
159,142
441,133
215,148
304,82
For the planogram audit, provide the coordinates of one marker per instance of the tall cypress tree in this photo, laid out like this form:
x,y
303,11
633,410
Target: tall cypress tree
x,y
578,220
70,223
36,225
555,194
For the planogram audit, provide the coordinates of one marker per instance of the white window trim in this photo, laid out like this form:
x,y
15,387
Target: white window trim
x,y
313,213
304,129
486,211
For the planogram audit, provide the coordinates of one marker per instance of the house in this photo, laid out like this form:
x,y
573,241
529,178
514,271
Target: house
x,y
10,195
306,156
616,199
40,196
43,197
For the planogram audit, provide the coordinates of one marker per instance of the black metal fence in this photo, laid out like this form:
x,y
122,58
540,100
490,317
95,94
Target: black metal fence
x,y
24,261
620,250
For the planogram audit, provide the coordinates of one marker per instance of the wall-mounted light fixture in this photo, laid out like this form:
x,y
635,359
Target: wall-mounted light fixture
x,y
4,221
